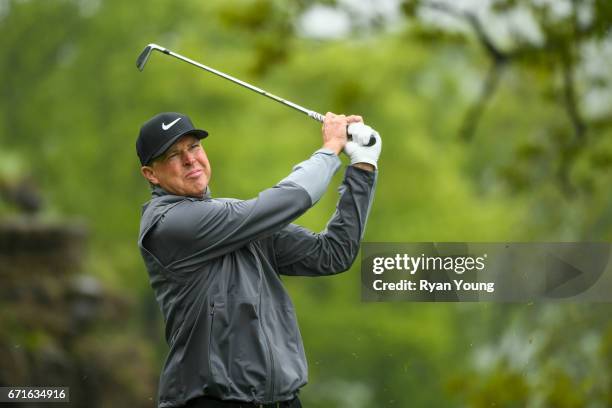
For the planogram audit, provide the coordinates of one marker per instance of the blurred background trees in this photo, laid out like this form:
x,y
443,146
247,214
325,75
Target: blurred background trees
x,y
497,126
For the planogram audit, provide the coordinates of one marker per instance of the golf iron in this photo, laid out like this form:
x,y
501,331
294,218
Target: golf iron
x,y
146,53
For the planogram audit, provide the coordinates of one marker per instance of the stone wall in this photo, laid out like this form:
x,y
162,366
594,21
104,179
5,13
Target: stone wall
x,y
62,327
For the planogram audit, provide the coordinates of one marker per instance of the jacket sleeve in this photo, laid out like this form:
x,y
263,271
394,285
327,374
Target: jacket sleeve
x,y
299,251
194,231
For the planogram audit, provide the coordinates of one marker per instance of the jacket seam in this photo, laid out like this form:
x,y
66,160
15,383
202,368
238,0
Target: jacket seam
x,y
219,243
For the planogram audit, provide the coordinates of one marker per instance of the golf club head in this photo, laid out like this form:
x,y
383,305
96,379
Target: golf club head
x,y
144,55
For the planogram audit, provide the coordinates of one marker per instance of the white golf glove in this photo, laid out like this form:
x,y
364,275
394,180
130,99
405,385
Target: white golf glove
x,y
357,150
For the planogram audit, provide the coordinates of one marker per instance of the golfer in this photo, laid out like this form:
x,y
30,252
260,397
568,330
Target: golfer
x,y
215,264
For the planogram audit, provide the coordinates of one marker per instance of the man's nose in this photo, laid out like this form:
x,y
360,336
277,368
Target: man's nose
x,y
188,158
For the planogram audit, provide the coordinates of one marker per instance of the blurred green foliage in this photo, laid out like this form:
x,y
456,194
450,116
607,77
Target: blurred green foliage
x,y
72,102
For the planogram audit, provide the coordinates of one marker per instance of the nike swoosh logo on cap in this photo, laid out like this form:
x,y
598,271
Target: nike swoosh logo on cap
x,y
169,125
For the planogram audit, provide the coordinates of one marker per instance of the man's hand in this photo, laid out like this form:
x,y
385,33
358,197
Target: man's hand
x,y
334,130
364,156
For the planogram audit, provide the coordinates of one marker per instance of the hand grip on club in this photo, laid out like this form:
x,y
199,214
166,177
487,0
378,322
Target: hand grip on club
x,y
361,133
358,132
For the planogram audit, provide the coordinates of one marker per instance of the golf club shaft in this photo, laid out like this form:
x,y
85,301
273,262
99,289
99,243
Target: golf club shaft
x,y
315,115
351,129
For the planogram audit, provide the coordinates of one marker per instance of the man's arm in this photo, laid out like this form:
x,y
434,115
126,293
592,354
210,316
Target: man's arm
x,y
195,231
301,252
365,166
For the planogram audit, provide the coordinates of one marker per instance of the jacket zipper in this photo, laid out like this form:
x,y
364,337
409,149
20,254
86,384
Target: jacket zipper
x,y
210,337
270,396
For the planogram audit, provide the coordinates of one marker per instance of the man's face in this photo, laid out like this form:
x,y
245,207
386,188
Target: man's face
x,y
182,170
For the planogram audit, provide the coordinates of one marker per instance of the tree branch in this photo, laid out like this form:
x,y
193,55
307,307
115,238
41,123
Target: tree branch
x,y
475,112
498,58
570,99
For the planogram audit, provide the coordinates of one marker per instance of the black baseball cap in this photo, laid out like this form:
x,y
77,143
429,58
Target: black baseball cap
x,y
162,131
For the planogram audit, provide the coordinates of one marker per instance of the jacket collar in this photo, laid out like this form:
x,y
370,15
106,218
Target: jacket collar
x,y
160,192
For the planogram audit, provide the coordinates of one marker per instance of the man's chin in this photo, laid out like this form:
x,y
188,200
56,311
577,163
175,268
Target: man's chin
x,y
198,191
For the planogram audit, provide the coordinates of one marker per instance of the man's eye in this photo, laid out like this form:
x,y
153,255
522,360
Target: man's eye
x,y
172,155
195,146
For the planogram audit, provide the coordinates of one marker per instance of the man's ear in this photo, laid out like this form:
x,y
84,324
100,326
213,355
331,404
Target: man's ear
x,y
149,173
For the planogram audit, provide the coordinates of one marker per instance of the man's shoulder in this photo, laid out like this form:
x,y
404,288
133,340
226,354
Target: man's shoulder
x,y
157,207
180,209
163,203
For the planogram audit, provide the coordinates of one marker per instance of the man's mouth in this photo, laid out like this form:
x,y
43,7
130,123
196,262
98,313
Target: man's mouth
x,y
194,173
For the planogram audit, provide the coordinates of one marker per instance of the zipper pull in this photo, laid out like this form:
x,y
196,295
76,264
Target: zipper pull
x,y
212,310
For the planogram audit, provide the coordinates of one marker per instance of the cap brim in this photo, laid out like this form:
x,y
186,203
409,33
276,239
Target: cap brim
x,y
199,133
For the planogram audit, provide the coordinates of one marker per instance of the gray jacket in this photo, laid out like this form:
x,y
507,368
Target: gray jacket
x,y
214,265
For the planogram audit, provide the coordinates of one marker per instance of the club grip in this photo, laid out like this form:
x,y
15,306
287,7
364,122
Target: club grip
x,y
350,129
361,132
316,116
372,141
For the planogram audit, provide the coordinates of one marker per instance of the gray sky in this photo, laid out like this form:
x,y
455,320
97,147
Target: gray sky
x,y
327,22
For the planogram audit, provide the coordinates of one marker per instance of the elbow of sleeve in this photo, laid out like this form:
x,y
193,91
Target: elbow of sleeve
x,y
343,266
349,263
345,259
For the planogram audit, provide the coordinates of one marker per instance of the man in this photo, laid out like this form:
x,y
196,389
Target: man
x,y
215,264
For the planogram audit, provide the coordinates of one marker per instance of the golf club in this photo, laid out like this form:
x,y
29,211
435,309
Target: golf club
x,y
352,129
